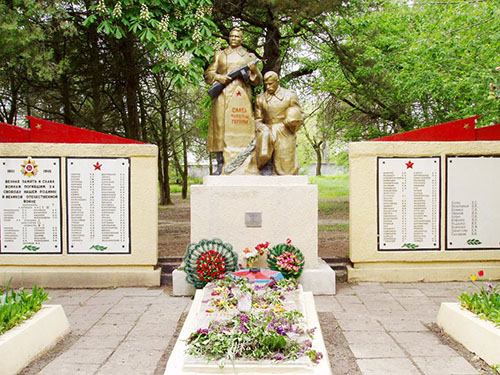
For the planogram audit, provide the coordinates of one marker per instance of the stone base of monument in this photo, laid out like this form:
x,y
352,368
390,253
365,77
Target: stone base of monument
x,y
410,272
319,281
180,363
247,210
80,276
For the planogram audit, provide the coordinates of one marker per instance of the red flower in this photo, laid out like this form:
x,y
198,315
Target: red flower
x,y
481,273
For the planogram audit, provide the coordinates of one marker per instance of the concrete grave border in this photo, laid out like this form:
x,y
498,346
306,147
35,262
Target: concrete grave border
x,y
21,344
478,335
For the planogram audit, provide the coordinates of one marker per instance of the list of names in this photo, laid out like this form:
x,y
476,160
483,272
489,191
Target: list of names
x,y
98,205
408,203
473,204
30,207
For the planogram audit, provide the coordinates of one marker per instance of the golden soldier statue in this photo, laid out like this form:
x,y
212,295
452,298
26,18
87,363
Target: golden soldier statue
x,y
231,125
278,116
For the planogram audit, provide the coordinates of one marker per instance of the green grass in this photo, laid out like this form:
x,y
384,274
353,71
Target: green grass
x,y
15,307
328,207
334,227
330,187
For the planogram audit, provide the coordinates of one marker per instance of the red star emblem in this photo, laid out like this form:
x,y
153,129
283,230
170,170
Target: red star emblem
x,y
238,93
409,165
97,166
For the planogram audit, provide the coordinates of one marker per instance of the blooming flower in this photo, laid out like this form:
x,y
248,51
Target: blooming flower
x,y
117,10
144,13
473,277
101,7
163,25
481,273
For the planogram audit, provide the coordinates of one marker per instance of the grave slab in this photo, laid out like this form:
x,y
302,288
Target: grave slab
x,y
176,362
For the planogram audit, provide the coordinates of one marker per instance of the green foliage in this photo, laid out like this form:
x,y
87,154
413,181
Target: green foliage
x,y
15,307
177,32
330,187
485,302
403,65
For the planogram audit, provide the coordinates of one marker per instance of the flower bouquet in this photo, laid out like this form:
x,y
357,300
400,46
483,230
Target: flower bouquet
x,y
251,256
287,259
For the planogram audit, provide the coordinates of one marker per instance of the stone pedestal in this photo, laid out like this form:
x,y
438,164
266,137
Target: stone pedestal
x,y
247,210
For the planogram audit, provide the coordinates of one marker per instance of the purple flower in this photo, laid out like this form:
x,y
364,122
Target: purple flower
x,y
243,328
278,356
489,287
281,331
205,331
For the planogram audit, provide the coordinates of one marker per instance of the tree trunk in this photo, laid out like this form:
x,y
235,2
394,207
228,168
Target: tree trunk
x,y
317,150
185,169
131,77
272,52
96,79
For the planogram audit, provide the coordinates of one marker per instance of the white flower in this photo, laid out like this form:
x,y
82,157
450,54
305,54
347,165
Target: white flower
x,y
197,35
247,253
163,26
183,60
101,7
200,13
144,14
117,10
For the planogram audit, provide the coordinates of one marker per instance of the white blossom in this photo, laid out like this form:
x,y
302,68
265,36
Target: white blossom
x,y
200,13
163,26
183,60
117,10
144,14
197,35
101,7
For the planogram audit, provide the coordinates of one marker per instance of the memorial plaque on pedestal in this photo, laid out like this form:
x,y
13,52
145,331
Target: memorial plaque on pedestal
x,y
239,124
473,203
409,203
30,205
98,205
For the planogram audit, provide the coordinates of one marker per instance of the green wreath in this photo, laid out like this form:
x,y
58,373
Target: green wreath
x,y
287,259
207,260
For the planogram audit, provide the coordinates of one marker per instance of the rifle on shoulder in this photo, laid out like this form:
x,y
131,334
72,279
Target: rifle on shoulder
x,y
217,87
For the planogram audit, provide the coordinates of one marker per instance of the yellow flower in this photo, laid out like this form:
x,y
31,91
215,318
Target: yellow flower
x,y
473,277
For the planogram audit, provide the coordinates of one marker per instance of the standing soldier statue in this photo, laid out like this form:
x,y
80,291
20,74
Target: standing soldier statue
x,y
232,126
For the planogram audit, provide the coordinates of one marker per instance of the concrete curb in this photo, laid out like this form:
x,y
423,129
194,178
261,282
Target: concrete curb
x,y
478,335
21,344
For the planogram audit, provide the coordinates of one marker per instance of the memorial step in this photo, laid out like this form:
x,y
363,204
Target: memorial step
x,y
168,264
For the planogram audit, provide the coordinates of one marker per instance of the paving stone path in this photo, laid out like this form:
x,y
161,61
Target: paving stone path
x,y
387,329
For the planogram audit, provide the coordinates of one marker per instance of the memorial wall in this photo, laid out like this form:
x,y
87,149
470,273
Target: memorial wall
x,y
78,215
424,211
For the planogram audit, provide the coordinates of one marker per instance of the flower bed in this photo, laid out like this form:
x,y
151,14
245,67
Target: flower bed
x,y
477,335
16,306
23,343
245,322
475,322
